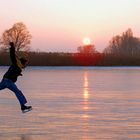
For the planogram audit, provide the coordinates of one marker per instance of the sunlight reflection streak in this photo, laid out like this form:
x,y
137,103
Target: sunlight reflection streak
x,y
85,95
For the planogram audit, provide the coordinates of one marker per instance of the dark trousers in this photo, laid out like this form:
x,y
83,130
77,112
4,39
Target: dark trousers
x,y
7,83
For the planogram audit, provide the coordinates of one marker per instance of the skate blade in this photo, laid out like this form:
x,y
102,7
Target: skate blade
x,y
27,110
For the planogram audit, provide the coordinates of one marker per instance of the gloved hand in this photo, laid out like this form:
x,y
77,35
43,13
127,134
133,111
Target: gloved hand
x,y
11,44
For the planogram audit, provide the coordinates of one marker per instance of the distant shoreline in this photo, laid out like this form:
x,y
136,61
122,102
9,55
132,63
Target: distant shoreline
x,y
77,67
74,59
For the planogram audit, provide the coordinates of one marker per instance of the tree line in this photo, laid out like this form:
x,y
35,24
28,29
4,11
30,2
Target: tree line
x,y
122,50
74,59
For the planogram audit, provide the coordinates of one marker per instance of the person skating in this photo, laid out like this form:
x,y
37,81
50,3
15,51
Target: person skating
x,y
10,77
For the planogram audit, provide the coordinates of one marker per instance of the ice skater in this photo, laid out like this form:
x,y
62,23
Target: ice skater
x,y
10,77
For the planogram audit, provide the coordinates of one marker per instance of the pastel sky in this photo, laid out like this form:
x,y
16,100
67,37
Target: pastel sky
x,y
61,25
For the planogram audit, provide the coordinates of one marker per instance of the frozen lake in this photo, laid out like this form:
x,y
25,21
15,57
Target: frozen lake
x,y
73,103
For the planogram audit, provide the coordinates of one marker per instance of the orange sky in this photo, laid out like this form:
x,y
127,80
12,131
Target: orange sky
x,y
61,25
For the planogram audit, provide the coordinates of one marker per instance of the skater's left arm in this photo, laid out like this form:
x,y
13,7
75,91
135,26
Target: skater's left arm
x,y
12,53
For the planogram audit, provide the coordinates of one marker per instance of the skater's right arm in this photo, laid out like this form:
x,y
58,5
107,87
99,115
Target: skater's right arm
x,y
12,53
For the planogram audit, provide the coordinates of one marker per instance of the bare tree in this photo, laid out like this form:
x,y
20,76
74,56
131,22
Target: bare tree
x,y
126,44
87,49
17,34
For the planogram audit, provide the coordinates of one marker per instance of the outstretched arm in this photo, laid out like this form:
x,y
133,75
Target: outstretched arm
x,y
12,53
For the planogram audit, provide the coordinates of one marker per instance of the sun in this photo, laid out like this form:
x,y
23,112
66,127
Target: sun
x,y
86,41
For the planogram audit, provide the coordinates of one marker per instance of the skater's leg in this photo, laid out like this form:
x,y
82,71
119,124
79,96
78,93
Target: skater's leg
x,y
21,98
2,84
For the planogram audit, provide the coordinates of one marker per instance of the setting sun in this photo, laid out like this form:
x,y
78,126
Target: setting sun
x,y
86,41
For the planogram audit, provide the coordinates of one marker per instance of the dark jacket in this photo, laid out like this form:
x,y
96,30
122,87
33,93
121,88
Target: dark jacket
x,y
14,70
